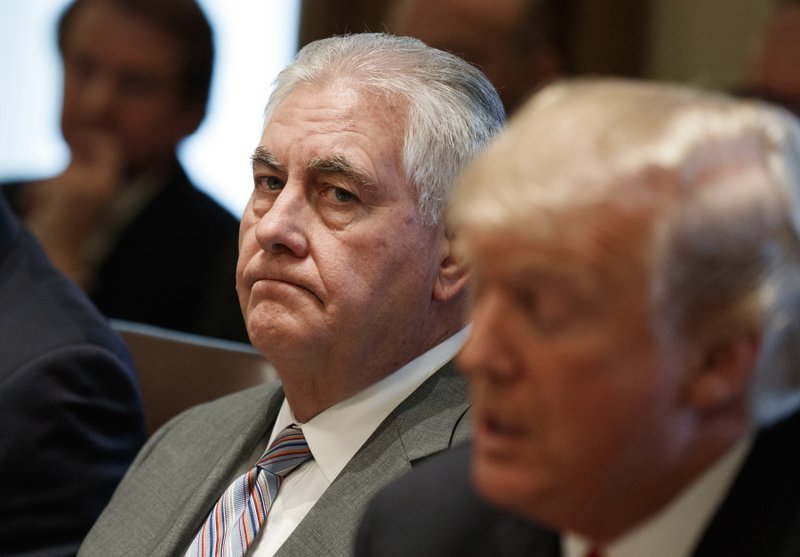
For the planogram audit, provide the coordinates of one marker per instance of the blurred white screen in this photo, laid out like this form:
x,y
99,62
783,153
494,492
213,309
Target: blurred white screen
x,y
254,40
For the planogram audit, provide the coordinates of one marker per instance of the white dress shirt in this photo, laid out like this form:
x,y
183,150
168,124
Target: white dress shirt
x,y
676,530
334,436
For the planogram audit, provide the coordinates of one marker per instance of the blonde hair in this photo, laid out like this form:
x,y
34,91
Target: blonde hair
x,y
720,178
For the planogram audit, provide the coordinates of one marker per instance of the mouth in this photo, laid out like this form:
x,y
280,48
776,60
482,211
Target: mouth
x,y
278,287
497,436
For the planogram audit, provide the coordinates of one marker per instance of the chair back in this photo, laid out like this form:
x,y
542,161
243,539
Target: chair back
x,y
178,370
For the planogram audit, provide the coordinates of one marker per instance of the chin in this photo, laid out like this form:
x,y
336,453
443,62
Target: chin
x,y
274,334
507,486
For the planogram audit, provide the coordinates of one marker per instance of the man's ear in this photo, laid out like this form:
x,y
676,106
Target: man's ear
x,y
724,371
453,273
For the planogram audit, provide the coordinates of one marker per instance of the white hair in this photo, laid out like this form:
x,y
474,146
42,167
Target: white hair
x,y
453,108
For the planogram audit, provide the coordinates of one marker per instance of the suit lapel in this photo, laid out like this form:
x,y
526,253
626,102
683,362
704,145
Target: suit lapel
x,y
517,538
419,427
252,421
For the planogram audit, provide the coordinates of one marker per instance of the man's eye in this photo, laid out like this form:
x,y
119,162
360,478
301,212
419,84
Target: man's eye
x,y
343,196
337,196
269,182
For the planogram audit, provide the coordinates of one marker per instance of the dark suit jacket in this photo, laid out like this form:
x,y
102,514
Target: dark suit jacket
x,y
70,413
173,265
185,467
434,511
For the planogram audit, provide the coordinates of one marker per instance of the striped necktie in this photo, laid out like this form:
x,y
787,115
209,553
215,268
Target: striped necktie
x,y
235,519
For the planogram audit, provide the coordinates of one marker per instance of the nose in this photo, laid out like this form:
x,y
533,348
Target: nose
x,y
99,94
488,353
282,229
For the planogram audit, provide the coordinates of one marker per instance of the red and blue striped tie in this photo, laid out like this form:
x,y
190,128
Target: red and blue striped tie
x,y
235,519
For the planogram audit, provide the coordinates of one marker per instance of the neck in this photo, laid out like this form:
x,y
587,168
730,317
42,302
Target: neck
x,y
314,383
657,488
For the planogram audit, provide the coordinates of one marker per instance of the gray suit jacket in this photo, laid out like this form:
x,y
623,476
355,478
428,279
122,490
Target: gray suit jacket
x,y
178,476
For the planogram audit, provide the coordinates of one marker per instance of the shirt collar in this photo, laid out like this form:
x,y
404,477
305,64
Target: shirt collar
x,y
676,529
335,434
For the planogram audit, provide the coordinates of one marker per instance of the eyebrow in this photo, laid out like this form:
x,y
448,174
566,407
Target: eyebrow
x,y
263,157
339,164
336,164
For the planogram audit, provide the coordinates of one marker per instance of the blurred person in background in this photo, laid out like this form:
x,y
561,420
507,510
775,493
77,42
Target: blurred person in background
x,y
774,73
123,220
521,45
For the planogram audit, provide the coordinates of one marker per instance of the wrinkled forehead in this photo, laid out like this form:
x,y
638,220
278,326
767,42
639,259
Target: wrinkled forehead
x,y
393,106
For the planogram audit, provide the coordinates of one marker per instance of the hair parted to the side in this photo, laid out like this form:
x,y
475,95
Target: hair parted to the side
x,y
720,178
453,110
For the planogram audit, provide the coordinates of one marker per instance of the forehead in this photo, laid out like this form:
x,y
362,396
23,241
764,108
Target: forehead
x,y
345,100
122,37
337,118
587,246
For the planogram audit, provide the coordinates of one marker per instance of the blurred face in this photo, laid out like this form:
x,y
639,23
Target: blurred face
x,y
121,84
774,70
484,33
572,406
335,264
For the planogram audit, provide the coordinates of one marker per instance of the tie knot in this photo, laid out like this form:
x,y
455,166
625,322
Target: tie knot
x,y
288,451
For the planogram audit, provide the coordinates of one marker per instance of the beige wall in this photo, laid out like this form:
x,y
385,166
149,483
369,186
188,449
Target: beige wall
x,y
703,42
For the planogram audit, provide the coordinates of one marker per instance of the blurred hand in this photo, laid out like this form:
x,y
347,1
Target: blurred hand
x,y
65,211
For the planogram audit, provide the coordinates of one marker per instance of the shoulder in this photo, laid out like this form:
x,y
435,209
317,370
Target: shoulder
x,y
434,511
220,418
435,416
181,472
204,431
48,320
443,396
434,485
761,513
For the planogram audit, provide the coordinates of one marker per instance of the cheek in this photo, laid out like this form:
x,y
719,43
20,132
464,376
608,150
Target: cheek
x,y
599,419
248,248
247,227
376,259
146,127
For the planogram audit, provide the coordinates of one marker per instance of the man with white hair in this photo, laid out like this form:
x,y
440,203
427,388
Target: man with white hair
x,y
350,288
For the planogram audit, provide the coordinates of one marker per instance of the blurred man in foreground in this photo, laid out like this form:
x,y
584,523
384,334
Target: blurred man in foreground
x,y
634,352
